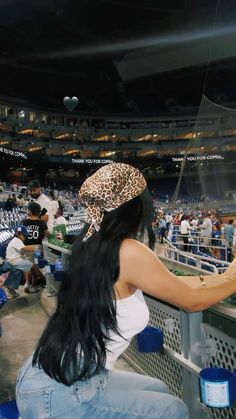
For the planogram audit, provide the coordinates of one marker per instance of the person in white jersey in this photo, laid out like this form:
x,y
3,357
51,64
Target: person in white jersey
x,y
44,202
206,229
101,307
184,230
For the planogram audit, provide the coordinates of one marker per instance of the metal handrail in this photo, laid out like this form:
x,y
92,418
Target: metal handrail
x,y
198,244
197,259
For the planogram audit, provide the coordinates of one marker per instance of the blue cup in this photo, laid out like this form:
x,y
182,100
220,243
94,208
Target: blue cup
x,y
150,340
36,256
218,387
42,263
3,297
52,267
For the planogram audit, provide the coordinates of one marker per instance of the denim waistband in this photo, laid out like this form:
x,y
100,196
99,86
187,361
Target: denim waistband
x,y
33,374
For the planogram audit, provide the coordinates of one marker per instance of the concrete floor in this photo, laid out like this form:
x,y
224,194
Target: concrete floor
x,y
23,320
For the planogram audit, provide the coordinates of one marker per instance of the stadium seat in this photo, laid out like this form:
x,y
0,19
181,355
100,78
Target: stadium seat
x,y
3,250
3,298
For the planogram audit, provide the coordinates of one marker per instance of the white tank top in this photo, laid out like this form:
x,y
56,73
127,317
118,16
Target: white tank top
x,y
132,317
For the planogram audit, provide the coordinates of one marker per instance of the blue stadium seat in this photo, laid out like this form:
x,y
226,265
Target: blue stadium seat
x,y
3,298
3,248
9,410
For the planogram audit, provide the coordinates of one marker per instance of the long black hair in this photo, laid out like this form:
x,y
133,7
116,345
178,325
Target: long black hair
x,y
73,344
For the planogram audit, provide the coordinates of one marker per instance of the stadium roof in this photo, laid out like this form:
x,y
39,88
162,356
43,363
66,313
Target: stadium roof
x,y
123,56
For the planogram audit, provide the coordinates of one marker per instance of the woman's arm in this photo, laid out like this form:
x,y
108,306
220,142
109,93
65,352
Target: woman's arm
x,y
141,268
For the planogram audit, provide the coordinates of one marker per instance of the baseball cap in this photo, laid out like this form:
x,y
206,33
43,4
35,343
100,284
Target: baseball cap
x,y
23,230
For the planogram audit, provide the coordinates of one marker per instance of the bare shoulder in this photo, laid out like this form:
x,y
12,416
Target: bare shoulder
x,y
133,248
141,268
134,257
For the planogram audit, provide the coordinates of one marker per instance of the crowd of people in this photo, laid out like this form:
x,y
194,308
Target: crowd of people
x,y
212,231
42,214
18,196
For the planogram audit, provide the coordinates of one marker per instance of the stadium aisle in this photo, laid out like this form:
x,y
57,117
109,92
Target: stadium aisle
x,y
23,320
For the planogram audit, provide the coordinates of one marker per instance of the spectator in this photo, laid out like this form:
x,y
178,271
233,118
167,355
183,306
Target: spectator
x,y
9,203
54,204
59,217
162,228
194,223
15,187
199,220
176,220
216,241
229,234
169,220
67,205
14,201
20,201
44,202
206,231
184,230
15,259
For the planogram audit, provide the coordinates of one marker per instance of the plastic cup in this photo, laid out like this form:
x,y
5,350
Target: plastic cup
x,y
59,275
217,387
150,340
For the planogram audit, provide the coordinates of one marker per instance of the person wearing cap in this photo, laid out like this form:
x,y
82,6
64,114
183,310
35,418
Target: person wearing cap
x,y
101,307
44,202
15,260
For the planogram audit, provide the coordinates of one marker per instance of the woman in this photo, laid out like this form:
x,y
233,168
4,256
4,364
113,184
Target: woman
x,y
101,307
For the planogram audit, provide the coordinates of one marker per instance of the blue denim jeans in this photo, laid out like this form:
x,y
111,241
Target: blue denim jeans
x,y
109,395
24,266
15,275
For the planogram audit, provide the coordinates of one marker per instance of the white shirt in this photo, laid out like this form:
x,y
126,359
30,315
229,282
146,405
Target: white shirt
x,y
184,227
206,228
13,252
60,220
45,202
132,317
168,218
194,223
54,206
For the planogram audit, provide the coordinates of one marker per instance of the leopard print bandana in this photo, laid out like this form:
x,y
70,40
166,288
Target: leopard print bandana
x,y
107,189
